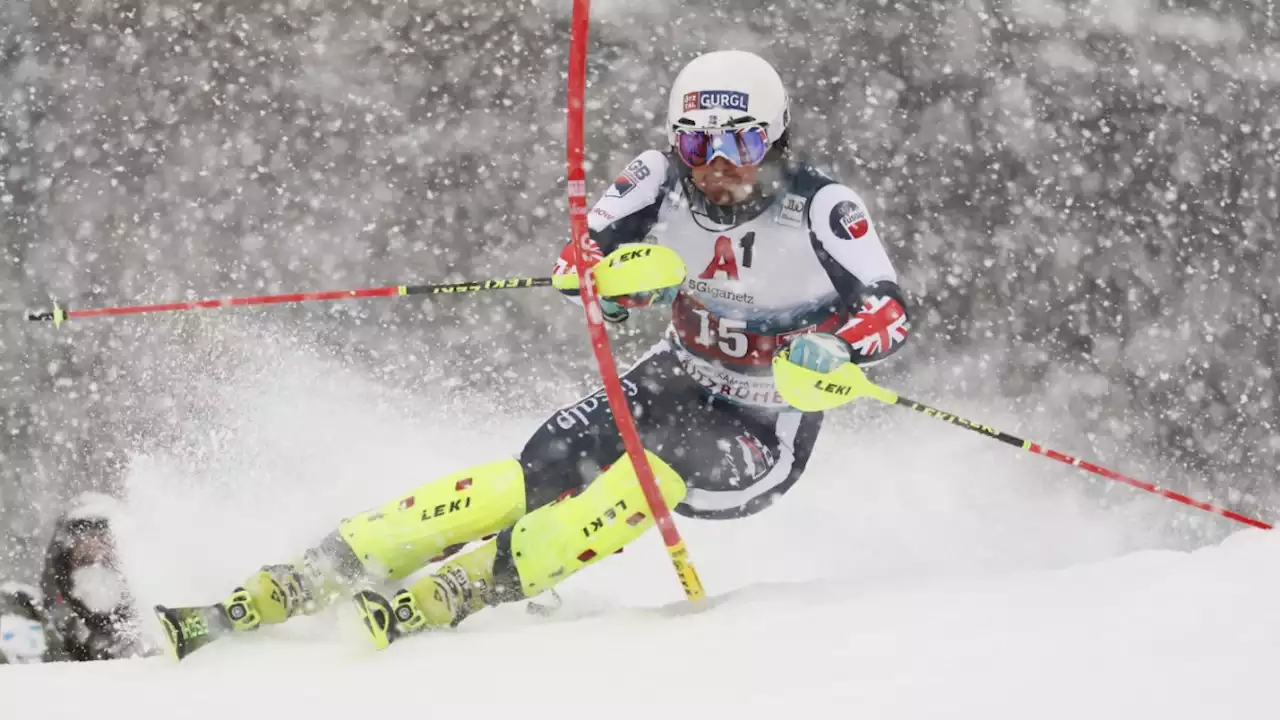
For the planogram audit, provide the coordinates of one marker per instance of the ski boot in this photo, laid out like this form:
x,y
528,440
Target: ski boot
x,y
272,595
443,599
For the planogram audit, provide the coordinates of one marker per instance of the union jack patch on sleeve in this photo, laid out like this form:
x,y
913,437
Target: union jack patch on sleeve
x,y
876,330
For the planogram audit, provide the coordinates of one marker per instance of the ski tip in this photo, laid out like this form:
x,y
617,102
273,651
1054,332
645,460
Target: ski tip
x,y
190,628
172,632
162,613
375,612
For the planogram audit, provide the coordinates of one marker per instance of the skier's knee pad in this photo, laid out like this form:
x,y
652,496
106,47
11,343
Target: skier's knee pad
x,y
555,541
404,535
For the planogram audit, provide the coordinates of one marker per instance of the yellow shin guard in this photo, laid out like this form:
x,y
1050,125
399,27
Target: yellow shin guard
x,y
555,541
408,533
543,548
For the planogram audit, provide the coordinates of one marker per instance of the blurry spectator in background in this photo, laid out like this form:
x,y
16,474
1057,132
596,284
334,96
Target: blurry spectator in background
x,y
87,596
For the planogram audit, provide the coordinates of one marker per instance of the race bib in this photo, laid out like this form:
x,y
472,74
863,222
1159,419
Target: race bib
x,y
754,390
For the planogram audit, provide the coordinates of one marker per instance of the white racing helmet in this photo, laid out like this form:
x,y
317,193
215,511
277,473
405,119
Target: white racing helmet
x,y
728,87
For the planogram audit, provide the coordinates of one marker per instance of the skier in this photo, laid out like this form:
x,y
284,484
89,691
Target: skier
x,y
26,635
87,595
778,255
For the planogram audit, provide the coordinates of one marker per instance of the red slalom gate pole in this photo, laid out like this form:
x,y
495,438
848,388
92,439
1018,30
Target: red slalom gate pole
x,y
584,258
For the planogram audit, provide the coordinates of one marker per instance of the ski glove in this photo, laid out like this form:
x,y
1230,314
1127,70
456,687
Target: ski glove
x,y
819,352
617,309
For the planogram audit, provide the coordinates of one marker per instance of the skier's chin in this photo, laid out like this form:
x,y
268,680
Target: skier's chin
x,y
729,193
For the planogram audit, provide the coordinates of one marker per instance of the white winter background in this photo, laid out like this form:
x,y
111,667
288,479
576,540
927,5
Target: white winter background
x,y
1079,196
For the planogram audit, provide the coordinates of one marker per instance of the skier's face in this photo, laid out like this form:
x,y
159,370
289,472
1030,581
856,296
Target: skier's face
x,y
91,549
725,183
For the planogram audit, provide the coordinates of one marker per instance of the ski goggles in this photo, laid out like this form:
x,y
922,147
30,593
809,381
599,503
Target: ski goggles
x,y
743,146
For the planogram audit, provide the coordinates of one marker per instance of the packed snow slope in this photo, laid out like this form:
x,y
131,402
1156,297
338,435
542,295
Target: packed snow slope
x,y
917,571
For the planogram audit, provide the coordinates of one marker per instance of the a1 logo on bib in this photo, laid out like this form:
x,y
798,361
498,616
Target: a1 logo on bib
x,y
848,221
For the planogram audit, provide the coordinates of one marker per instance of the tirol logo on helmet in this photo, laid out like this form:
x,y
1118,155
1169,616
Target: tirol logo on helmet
x,y
708,99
